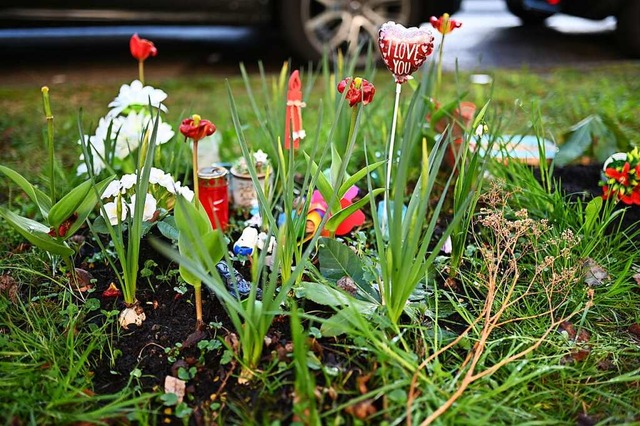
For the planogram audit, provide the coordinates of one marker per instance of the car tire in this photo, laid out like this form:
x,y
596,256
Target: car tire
x,y
628,28
311,27
527,17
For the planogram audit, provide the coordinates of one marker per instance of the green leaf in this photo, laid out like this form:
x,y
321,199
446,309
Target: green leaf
x,y
336,164
349,182
325,295
323,185
341,322
67,206
591,214
589,137
336,219
338,260
337,324
168,228
88,205
100,225
36,233
41,199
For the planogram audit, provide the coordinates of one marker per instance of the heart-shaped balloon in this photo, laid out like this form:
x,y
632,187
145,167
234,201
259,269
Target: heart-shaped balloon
x,y
404,50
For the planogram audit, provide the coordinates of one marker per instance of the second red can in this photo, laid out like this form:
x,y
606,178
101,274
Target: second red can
x,y
213,186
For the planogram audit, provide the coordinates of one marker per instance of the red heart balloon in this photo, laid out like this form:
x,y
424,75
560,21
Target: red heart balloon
x,y
404,50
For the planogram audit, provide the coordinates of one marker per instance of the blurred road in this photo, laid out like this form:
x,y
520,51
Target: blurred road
x,y
490,37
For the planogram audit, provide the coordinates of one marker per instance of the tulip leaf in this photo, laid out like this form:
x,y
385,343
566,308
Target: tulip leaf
x,y
87,205
336,165
336,219
357,176
36,233
324,186
41,199
68,205
197,240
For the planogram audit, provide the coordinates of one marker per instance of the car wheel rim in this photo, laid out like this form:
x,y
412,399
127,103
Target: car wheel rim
x,y
348,24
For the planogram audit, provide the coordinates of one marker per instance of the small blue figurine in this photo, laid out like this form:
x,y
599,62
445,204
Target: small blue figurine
x,y
241,288
247,242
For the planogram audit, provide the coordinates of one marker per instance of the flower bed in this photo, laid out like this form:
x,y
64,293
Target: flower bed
x,y
424,282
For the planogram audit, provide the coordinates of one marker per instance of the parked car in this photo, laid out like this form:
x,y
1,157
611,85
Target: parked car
x,y
626,12
309,26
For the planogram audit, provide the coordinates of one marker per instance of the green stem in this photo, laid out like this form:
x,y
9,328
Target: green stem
x,y
49,116
194,157
439,75
141,71
198,293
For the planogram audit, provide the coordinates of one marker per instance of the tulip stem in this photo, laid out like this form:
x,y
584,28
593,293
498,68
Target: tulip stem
x,y
141,71
391,158
49,117
196,190
439,73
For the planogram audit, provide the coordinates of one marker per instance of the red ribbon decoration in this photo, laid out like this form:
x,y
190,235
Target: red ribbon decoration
x,y
293,124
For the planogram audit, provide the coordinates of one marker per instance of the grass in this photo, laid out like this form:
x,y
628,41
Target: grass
x,y
564,97
522,340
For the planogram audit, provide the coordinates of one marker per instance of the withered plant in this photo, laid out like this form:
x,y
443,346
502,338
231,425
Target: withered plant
x,y
525,280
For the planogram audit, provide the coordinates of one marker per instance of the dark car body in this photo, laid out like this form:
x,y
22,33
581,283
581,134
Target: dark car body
x,y
590,9
309,26
626,12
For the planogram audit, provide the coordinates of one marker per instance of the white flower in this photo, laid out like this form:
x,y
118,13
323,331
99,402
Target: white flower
x,y
150,206
111,210
260,157
129,131
168,183
127,181
156,175
112,189
96,145
136,94
186,192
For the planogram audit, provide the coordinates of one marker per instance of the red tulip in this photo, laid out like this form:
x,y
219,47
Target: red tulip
x,y
445,24
141,48
359,90
197,128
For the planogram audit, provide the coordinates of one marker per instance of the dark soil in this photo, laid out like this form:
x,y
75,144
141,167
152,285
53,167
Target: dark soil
x,y
152,347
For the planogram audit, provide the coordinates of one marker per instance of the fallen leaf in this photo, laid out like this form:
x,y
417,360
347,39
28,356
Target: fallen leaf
x,y
175,386
362,410
83,280
362,383
568,328
594,274
193,338
9,286
347,285
635,330
637,278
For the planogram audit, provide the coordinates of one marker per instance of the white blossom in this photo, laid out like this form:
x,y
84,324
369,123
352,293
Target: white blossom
x,y
150,206
127,181
95,145
186,192
260,157
111,210
136,94
156,175
112,189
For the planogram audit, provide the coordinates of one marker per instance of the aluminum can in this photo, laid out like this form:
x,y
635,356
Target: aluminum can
x,y
213,185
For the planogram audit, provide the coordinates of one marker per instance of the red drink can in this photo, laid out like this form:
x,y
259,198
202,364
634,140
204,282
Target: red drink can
x,y
214,194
